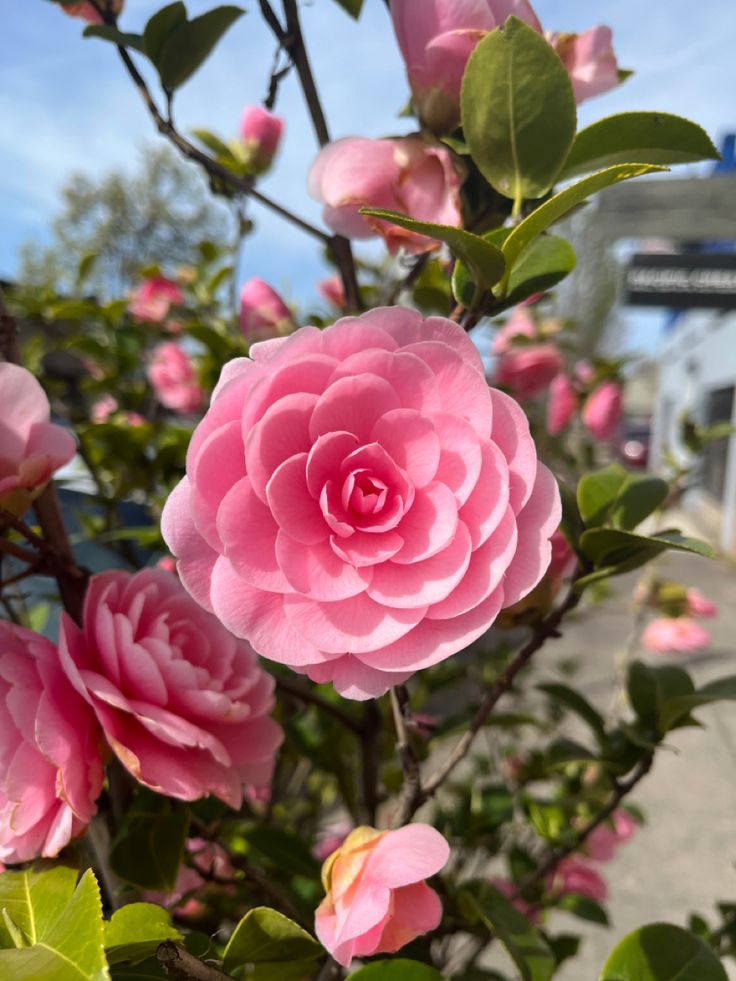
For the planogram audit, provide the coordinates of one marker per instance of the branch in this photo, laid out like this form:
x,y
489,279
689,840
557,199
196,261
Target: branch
x,y
412,788
369,751
70,578
415,794
179,963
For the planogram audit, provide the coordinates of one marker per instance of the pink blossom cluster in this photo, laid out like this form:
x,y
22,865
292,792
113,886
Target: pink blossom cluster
x,y
358,503
437,37
150,677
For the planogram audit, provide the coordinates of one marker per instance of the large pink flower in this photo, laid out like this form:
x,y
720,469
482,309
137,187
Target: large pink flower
x,y
675,635
154,298
50,764
358,503
183,704
436,38
174,378
527,371
589,59
406,175
31,447
377,901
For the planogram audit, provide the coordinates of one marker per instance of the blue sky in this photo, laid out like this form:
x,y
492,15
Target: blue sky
x,y
66,104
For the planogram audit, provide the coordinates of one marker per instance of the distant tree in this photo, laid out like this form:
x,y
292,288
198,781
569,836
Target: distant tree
x,y
157,214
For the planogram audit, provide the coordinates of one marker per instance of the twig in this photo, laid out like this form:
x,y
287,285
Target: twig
x,y
309,697
17,551
621,788
369,750
412,788
411,277
70,578
179,963
415,794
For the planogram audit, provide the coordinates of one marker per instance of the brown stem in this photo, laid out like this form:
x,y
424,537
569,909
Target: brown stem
x,y
70,578
17,551
413,793
412,788
309,697
369,751
177,962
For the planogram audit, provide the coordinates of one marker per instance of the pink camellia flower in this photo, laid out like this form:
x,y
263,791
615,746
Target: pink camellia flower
x,y
527,371
675,635
51,770
174,378
358,503
88,11
589,59
602,410
405,174
32,449
154,298
103,408
562,404
333,291
520,324
602,844
377,901
699,605
436,38
261,132
183,704
577,877
262,311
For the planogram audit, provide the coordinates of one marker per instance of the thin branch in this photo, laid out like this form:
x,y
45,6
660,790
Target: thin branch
x,y
70,578
412,788
293,42
415,794
409,279
310,697
369,751
177,962
17,551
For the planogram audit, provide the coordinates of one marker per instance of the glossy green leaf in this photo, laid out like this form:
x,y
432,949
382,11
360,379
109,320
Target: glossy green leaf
x,y
106,32
135,931
662,952
397,969
638,137
597,491
150,846
614,546
677,708
287,851
523,942
651,688
160,27
191,43
266,936
576,703
584,908
561,204
572,525
637,499
353,7
485,261
64,932
544,264
518,111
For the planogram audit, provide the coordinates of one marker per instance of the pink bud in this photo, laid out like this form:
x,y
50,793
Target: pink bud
x,y
405,174
699,605
154,298
332,290
675,635
174,379
602,410
262,311
519,324
260,131
589,59
528,370
574,876
103,409
88,12
562,404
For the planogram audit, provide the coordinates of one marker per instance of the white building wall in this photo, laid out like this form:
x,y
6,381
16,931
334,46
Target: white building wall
x,y
697,358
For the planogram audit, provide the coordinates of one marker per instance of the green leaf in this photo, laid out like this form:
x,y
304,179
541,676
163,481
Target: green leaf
x,y
160,27
650,689
135,931
150,970
584,908
518,111
640,137
662,952
525,945
191,43
544,264
265,936
105,32
574,701
598,491
484,260
353,7
615,547
149,847
678,708
558,206
64,932
397,969
286,850
638,498
214,144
